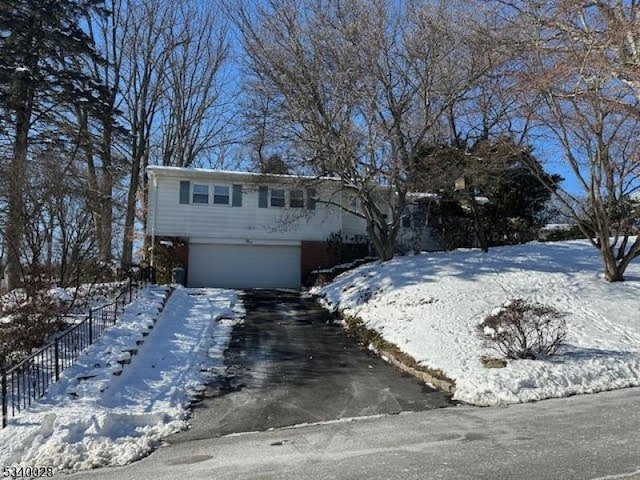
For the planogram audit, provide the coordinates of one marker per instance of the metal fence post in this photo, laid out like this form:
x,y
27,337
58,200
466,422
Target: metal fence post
x,y
90,327
5,398
56,350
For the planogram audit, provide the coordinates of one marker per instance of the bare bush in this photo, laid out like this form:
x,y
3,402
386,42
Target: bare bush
x,y
524,330
27,324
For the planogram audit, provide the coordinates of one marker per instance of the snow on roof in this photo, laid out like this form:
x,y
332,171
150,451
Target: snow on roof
x,y
430,195
557,226
203,172
421,195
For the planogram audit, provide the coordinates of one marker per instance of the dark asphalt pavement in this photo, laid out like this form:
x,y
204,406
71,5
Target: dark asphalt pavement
x,y
290,363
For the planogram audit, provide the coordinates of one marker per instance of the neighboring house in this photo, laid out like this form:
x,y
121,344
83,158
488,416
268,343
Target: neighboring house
x,y
245,230
417,229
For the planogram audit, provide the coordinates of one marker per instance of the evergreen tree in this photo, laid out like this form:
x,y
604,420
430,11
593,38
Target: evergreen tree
x,y
41,43
487,192
274,164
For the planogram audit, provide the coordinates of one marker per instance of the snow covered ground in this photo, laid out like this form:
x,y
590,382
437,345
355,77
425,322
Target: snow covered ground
x,y
430,304
101,413
83,298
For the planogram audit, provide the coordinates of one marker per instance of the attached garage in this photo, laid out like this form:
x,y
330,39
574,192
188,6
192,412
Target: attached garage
x,y
244,266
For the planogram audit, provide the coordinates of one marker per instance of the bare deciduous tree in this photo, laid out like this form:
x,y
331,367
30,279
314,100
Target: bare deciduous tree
x,y
196,108
144,61
173,90
581,74
100,142
356,87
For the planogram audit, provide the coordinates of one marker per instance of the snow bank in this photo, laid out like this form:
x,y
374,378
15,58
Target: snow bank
x,y
430,304
100,413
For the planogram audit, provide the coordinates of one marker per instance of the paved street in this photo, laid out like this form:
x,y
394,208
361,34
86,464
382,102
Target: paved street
x,y
582,437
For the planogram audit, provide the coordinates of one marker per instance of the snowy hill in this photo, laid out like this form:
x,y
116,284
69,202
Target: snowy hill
x,y
430,304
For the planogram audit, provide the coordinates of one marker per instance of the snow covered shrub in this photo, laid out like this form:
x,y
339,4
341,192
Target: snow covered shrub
x,y
524,330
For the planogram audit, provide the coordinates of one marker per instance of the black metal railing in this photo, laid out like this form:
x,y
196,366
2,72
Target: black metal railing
x,y
30,379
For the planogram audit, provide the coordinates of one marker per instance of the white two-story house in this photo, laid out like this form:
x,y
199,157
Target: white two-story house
x,y
245,230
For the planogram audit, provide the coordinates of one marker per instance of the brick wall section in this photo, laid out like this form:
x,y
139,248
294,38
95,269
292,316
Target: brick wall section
x,y
314,256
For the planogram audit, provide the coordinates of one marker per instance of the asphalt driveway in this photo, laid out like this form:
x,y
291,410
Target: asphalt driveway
x,y
291,363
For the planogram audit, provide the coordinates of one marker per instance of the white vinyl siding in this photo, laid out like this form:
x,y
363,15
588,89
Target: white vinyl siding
x,y
352,225
248,222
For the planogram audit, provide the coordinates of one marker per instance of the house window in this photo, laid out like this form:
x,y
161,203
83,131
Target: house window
x,y
200,193
221,194
263,196
296,199
277,197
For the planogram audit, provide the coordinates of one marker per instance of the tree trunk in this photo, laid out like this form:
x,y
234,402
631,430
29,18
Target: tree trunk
x,y
383,242
130,217
93,194
145,213
615,264
106,195
15,218
612,271
138,159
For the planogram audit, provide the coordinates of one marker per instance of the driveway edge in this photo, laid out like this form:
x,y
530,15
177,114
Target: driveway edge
x,y
392,354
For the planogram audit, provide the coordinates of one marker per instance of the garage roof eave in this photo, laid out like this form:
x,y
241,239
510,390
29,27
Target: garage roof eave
x,y
229,175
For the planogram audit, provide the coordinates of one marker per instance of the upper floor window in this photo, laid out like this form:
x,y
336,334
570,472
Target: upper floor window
x,y
277,197
221,195
200,193
296,199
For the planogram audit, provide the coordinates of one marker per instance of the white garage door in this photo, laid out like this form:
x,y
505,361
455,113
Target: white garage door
x,y
244,266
